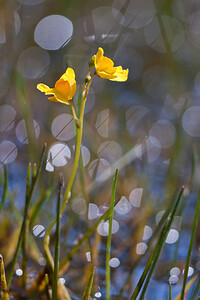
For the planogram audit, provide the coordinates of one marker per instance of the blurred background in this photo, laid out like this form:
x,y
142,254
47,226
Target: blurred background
x,y
148,127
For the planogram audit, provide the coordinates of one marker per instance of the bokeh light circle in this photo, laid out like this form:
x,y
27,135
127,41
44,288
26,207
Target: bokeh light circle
x,y
191,121
63,127
53,32
58,154
7,116
8,152
21,132
33,62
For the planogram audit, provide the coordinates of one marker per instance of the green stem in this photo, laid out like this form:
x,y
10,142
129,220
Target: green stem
x,y
87,292
46,279
5,188
190,247
79,131
57,244
21,235
109,238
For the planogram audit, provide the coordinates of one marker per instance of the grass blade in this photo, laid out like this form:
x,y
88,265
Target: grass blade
x,y
46,280
5,187
190,247
188,286
26,227
38,205
57,243
4,288
88,289
109,238
156,252
84,238
27,203
159,226
161,242
37,172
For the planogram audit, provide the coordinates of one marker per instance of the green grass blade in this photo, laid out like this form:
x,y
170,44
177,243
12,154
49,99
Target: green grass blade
x,y
161,242
46,279
194,226
156,251
26,227
38,205
37,172
159,226
109,238
187,288
4,288
170,291
57,243
86,295
27,203
84,238
5,187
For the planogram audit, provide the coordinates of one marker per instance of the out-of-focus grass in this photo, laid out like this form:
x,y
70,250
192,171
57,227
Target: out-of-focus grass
x,y
44,284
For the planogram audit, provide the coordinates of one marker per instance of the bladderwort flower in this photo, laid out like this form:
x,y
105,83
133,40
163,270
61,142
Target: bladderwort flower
x,y
64,89
105,68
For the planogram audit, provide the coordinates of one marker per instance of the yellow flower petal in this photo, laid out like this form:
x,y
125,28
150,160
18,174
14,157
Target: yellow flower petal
x,y
73,90
105,68
53,99
43,87
99,55
121,75
105,63
62,87
69,76
61,98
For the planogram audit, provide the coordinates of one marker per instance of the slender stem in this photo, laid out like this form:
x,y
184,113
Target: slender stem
x,y
77,122
5,188
109,238
25,233
86,295
79,131
190,247
78,145
46,279
21,235
57,244
170,291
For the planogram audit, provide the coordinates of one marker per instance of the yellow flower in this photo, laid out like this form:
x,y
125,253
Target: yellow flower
x,y
105,68
64,89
